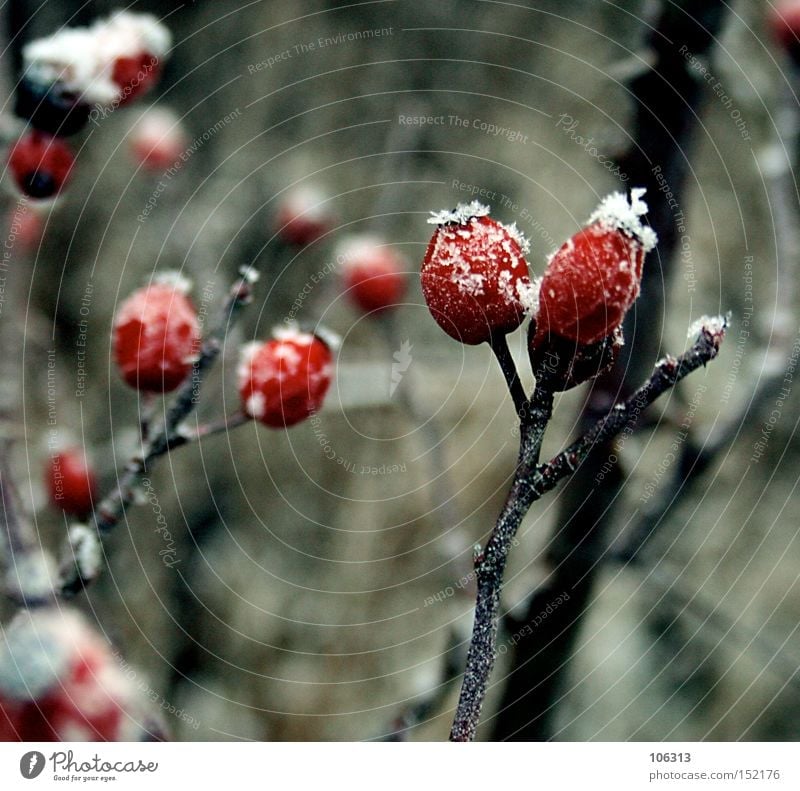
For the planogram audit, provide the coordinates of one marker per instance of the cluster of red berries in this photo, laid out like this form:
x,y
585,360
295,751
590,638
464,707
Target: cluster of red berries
x,y
108,64
476,283
59,681
157,340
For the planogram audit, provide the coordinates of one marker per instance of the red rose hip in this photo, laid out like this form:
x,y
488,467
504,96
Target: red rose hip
x,y
784,24
374,274
59,681
591,282
71,481
158,140
303,217
40,164
475,276
157,336
284,380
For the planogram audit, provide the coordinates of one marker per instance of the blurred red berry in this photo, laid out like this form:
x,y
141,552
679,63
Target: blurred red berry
x,y
474,275
60,682
71,482
374,274
303,217
25,228
156,336
40,164
158,140
135,75
784,23
591,282
284,380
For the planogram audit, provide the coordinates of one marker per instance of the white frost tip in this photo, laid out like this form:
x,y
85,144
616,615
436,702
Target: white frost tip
x,y
174,279
86,548
714,325
246,354
249,274
616,211
518,237
331,339
461,215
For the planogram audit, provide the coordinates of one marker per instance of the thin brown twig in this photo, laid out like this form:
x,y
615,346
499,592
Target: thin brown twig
x,y
531,481
169,435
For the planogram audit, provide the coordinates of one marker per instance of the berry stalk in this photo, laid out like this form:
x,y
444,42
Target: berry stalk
x,y
531,481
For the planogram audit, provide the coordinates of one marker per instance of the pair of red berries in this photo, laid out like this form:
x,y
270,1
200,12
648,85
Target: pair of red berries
x,y
476,283
373,274
157,339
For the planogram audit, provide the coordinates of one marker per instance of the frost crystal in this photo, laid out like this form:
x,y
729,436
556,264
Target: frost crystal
x,y
616,211
462,214
250,274
518,237
715,325
528,294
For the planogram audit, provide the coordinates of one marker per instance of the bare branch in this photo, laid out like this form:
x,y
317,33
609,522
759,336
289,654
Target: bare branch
x,y
532,481
161,440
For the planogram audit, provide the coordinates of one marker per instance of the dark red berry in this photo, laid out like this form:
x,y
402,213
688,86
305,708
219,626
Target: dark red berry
x,y
474,275
71,482
40,164
51,107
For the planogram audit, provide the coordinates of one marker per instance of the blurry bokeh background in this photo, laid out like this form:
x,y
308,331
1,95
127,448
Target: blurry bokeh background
x,y
317,592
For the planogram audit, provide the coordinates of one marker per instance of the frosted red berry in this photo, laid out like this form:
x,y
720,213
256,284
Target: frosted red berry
x,y
135,75
40,164
784,23
303,217
157,140
60,682
374,274
592,281
284,380
156,337
475,276
71,482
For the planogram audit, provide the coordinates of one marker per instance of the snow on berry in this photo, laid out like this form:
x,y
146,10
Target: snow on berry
x,y
157,139
374,274
284,380
114,60
71,481
60,682
157,336
303,216
474,275
40,164
591,282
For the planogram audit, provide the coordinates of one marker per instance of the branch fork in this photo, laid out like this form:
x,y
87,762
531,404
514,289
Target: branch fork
x,y
533,479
